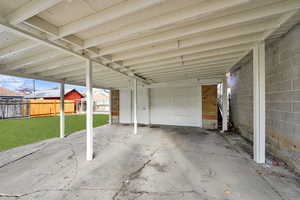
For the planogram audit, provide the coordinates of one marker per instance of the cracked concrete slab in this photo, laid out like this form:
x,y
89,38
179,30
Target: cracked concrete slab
x,y
157,164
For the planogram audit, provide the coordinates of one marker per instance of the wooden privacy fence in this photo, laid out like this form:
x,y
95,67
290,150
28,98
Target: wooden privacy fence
x,y
10,109
40,108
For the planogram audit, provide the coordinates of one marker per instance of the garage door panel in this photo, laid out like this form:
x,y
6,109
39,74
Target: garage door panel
x,y
176,106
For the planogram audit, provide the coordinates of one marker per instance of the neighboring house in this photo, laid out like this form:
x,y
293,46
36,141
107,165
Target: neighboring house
x,y
54,94
11,104
101,98
101,102
6,94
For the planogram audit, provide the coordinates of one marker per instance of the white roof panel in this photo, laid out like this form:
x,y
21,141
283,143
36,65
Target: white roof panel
x,y
152,41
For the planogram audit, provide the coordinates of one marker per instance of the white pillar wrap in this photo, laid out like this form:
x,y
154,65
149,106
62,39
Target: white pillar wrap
x,y
259,112
89,111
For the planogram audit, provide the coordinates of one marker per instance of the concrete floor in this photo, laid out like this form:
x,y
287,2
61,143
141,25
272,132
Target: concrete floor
x,y
157,164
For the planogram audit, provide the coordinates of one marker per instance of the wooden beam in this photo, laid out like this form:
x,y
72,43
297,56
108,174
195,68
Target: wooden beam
x,y
17,48
195,69
163,20
215,49
30,9
196,57
209,25
18,64
187,66
63,69
106,15
70,51
197,40
52,65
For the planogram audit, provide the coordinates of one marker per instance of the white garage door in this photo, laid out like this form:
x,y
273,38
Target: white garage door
x,y
176,106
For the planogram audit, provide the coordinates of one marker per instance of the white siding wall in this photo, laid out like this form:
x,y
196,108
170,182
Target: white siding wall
x,y
125,106
143,106
169,106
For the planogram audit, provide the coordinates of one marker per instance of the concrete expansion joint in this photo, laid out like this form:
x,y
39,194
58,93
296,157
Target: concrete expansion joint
x,y
31,193
22,157
133,175
73,157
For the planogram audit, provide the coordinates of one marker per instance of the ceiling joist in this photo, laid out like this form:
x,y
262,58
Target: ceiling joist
x,y
151,41
30,9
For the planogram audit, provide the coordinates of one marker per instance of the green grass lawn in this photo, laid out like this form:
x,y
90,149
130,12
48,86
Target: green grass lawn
x,y
17,132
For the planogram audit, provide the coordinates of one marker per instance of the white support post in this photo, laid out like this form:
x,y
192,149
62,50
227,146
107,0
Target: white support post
x,y
259,113
225,106
110,108
135,105
149,106
89,111
81,106
62,110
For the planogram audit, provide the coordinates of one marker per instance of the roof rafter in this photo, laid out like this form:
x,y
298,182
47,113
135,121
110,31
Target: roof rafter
x,y
18,64
194,68
216,48
179,59
64,69
197,40
51,44
52,65
159,21
215,24
106,15
191,60
187,65
18,47
33,76
30,9
50,29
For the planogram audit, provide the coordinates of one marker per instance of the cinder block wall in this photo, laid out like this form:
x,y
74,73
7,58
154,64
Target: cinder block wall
x,y
241,102
282,97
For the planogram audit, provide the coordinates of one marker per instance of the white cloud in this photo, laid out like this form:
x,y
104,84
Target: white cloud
x,y
14,83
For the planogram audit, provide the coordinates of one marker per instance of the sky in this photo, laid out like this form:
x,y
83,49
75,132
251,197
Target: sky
x,y
17,83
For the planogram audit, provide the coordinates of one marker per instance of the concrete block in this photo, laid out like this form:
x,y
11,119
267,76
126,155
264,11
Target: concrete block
x,y
281,97
296,60
292,118
284,107
286,134
296,84
295,73
275,115
295,96
296,107
285,53
282,94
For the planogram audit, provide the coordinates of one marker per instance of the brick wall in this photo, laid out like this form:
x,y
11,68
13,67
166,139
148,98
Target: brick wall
x,y
282,97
